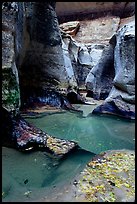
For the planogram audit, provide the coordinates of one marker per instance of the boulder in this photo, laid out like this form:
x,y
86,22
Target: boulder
x,y
95,51
80,59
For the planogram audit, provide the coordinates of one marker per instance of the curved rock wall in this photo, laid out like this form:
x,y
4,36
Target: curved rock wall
x,y
43,65
46,60
99,80
121,100
67,11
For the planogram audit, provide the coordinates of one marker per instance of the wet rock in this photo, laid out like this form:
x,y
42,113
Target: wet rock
x,y
59,147
25,137
108,177
116,107
51,98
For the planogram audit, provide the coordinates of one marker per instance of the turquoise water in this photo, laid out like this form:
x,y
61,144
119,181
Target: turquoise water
x,y
94,133
39,175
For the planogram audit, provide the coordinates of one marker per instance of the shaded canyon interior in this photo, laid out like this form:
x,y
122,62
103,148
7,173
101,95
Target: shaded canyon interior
x,y
52,52
55,55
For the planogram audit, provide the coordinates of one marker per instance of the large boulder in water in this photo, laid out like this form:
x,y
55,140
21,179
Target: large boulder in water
x,y
121,100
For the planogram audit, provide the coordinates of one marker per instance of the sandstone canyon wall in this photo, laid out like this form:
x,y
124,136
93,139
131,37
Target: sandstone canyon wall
x,y
46,56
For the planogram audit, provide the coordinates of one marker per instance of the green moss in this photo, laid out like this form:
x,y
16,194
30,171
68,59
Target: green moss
x,y
10,90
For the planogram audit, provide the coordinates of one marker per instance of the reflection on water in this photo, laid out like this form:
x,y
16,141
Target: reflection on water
x,y
94,133
30,176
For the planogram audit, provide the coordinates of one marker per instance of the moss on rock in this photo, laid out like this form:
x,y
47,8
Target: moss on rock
x,y
10,90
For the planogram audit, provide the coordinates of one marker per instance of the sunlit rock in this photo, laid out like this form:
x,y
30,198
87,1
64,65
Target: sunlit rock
x,y
70,28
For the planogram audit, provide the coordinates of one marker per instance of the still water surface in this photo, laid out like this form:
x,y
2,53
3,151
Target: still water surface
x,y
31,176
93,133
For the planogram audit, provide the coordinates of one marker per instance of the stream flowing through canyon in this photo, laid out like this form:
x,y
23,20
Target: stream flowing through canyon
x,y
30,176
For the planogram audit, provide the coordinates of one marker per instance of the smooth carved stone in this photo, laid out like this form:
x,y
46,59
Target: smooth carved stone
x,y
116,107
51,98
99,80
121,99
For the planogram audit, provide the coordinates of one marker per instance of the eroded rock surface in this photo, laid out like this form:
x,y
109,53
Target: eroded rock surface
x,y
43,61
53,99
10,78
84,50
23,136
91,10
99,80
121,99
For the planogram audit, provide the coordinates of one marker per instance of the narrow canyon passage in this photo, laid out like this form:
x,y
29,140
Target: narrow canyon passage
x,y
68,102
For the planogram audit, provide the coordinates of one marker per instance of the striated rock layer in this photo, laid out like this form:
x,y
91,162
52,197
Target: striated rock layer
x,y
90,10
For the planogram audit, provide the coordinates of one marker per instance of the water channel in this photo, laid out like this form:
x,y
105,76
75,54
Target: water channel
x,y
31,176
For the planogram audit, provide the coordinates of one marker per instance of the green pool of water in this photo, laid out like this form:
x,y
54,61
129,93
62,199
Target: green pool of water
x,y
94,133
32,176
